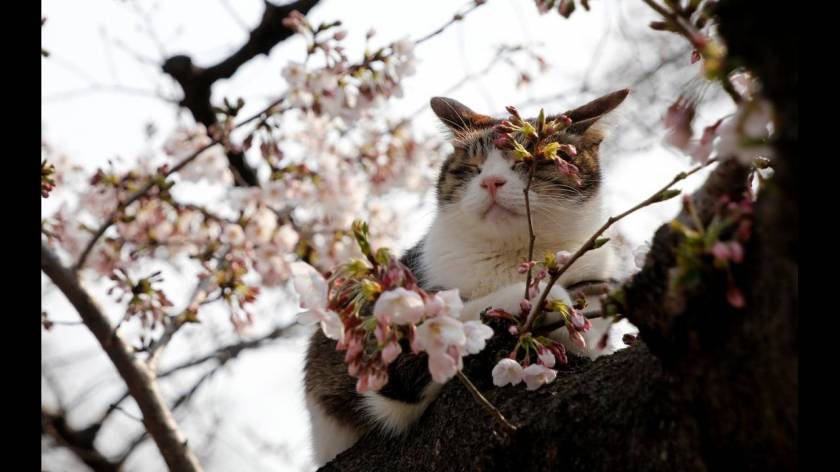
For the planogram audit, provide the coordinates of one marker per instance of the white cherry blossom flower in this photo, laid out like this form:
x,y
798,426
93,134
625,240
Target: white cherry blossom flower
x,y
438,333
476,333
399,306
536,375
507,371
312,288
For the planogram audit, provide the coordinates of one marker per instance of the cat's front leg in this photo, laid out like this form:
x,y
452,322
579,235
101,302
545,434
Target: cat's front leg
x,y
509,298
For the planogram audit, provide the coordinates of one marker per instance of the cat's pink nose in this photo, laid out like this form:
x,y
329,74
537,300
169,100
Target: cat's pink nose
x,y
492,184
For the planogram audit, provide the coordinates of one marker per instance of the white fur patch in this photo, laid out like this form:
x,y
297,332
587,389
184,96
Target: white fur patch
x,y
395,417
464,252
329,438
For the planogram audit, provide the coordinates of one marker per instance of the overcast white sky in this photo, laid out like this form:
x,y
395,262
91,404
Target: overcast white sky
x,y
101,85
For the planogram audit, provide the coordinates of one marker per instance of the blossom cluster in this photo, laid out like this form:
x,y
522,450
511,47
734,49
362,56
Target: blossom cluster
x,y
375,310
744,135
47,178
720,244
145,301
517,135
331,157
534,356
339,88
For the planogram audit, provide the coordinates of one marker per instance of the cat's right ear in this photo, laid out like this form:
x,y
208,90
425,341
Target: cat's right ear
x,y
457,116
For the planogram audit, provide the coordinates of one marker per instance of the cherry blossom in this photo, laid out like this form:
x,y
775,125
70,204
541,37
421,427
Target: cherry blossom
x,y
507,371
536,375
476,333
399,306
438,333
312,288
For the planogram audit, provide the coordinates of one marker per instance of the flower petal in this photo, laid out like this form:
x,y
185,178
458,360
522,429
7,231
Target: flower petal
x,y
310,285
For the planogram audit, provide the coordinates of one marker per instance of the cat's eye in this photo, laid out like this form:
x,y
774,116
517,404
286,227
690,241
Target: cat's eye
x,y
465,169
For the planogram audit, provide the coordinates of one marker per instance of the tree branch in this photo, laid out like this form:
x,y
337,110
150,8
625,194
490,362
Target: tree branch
x,y
79,442
140,381
197,82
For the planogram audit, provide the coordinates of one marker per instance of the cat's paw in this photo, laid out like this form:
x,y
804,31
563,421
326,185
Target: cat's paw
x,y
509,299
506,298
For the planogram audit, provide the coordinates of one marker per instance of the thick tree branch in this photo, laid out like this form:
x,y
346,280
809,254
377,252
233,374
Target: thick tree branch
x,y
140,381
197,82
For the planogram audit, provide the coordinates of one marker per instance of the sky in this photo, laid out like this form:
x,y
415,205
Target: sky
x,y
102,86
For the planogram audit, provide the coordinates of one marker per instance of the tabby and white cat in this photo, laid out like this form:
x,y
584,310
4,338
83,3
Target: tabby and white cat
x,y
475,243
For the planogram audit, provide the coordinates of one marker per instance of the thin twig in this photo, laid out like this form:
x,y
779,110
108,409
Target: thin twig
x,y
687,30
455,18
127,413
531,235
176,322
508,427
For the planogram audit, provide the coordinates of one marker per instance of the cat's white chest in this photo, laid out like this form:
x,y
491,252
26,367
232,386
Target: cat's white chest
x,y
473,271
450,259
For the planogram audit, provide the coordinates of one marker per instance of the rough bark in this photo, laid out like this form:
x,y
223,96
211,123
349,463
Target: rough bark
x,y
709,387
197,82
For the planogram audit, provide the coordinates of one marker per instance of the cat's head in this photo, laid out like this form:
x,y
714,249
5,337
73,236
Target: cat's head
x,y
482,186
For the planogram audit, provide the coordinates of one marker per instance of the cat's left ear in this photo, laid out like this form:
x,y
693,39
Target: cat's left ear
x,y
587,115
457,116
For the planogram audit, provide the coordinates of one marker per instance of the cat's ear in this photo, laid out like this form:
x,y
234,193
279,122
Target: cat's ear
x,y
587,115
457,116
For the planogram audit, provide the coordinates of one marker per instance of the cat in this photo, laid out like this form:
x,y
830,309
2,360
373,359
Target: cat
x,y
477,239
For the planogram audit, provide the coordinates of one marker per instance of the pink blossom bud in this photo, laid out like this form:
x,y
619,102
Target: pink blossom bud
x,y
734,296
362,383
695,56
722,252
559,352
381,332
545,357
563,257
513,330
377,380
340,35
503,141
523,267
576,337
578,320
568,149
390,352
678,122
744,230
736,251
525,306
